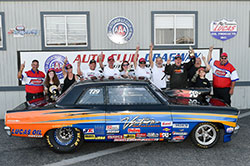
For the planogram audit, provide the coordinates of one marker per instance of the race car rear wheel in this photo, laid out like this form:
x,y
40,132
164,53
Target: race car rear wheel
x,y
205,135
64,140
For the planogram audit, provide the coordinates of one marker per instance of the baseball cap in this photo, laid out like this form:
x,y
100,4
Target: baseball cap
x,y
201,68
177,56
68,66
223,54
142,60
51,69
92,61
110,58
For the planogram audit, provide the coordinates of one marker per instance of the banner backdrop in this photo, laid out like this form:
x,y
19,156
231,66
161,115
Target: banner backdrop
x,y
55,59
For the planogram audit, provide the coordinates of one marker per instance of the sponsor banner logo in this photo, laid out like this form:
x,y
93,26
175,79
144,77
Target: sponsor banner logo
x,y
129,136
112,129
99,129
144,139
166,129
141,135
166,123
180,125
223,29
89,136
134,130
88,130
153,135
55,61
179,133
136,122
164,135
115,137
176,138
29,132
120,30
93,136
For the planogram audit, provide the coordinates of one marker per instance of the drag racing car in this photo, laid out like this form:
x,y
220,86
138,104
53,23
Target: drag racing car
x,y
120,110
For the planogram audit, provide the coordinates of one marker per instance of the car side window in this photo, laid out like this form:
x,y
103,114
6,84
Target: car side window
x,y
91,96
130,95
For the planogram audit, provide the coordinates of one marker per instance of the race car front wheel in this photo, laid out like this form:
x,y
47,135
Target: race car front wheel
x,y
64,140
205,135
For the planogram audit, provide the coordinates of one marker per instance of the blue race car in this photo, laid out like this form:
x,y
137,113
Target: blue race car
x,y
120,110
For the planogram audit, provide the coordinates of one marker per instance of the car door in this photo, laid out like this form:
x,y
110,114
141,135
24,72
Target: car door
x,y
92,105
135,113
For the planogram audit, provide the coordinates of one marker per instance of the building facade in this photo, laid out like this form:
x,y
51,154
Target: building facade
x,y
34,25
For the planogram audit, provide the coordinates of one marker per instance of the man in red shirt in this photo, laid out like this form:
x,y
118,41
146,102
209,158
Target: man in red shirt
x,y
34,82
224,77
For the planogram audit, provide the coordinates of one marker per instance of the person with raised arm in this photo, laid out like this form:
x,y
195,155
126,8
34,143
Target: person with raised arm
x,y
178,71
109,71
224,76
69,76
33,79
158,70
141,71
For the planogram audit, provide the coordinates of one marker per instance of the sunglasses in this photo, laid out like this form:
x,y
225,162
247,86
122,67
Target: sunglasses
x,y
142,62
69,68
125,65
223,58
111,60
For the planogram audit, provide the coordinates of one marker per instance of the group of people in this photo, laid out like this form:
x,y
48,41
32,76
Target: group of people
x,y
180,75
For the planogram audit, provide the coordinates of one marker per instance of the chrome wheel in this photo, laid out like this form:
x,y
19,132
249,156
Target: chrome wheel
x,y
64,136
205,134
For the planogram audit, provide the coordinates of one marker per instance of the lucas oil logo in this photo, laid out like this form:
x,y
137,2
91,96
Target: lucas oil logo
x,y
223,29
56,62
120,30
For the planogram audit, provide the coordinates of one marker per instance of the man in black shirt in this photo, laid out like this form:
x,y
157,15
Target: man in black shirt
x,y
178,72
197,65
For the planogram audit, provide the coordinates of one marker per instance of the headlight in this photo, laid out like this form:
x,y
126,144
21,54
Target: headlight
x,y
8,130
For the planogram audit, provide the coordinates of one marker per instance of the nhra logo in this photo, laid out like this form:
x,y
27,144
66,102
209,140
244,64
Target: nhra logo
x,y
56,62
120,30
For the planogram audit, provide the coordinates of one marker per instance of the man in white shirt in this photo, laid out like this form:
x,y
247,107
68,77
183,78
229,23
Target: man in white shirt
x,y
90,73
109,71
141,71
157,70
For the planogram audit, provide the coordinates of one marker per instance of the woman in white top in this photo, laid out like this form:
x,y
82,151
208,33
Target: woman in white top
x,y
125,71
141,71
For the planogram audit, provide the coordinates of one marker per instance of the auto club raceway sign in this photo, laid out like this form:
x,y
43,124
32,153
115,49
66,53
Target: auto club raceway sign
x,y
223,29
120,30
55,59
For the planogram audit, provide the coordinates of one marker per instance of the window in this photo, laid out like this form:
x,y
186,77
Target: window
x,y
174,28
92,96
130,95
2,32
68,30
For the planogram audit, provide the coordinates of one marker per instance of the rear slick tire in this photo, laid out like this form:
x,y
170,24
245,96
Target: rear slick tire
x,y
64,140
205,135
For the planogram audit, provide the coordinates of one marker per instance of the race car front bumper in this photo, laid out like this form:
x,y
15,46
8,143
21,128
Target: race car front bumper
x,y
8,130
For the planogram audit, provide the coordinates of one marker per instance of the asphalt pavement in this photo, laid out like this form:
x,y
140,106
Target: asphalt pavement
x,y
30,151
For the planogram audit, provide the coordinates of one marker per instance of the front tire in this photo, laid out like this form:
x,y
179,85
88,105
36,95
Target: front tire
x,y
64,140
205,135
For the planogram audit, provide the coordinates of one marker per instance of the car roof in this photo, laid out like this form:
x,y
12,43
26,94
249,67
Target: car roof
x,y
114,81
